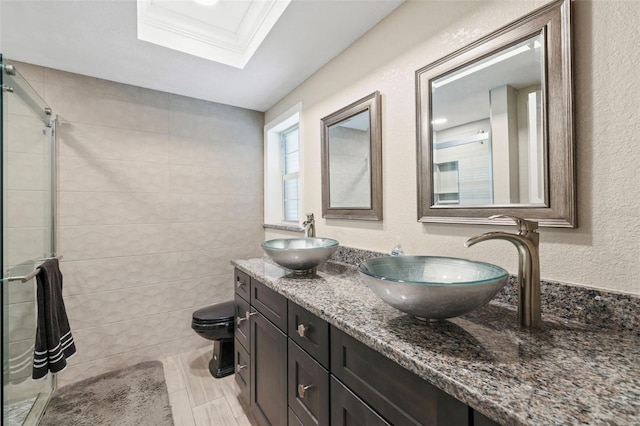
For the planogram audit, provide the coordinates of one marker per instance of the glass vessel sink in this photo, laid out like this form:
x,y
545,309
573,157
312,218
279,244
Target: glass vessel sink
x,y
431,287
300,254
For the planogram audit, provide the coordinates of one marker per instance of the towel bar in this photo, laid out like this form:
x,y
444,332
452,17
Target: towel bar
x,y
33,273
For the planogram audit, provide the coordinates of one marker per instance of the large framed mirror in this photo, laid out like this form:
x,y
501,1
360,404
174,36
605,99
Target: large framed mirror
x,y
352,161
495,126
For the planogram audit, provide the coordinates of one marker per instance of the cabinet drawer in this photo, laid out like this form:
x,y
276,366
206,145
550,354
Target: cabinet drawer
x,y
310,333
269,303
243,372
349,410
242,328
308,388
242,284
397,394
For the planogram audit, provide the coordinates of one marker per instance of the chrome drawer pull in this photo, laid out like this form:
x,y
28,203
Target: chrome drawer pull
x,y
247,315
302,389
239,368
302,330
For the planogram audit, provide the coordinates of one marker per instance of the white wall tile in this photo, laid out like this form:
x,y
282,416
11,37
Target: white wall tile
x,y
32,73
20,362
111,143
90,174
92,242
104,274
113,208
26,244
157,193
27,172
24,134
99,309
108,108
27,208
22,321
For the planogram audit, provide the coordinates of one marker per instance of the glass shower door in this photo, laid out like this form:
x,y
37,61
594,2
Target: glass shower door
x,y
27,238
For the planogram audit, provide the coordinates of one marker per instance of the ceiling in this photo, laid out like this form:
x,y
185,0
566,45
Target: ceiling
x,y
98,38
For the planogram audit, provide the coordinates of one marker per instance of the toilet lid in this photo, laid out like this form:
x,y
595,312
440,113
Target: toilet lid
x,y
219,312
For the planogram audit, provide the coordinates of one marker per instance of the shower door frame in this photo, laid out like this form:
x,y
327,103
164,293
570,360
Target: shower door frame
x,y
42,397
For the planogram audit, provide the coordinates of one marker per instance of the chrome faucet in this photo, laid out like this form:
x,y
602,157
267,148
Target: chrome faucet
x,y
527,242
309,226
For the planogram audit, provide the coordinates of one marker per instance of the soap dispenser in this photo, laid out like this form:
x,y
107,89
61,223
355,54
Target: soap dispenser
x,y
397,249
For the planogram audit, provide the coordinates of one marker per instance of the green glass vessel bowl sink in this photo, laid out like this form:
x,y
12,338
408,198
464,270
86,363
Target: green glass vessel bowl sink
x,y
300,255
431,287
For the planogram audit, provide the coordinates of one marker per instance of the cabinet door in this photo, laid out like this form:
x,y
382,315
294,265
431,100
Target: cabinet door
x,y
243,372
308,388
268,372
349,410
242,324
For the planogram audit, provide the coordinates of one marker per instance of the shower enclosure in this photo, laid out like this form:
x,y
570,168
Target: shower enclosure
x,y
27,237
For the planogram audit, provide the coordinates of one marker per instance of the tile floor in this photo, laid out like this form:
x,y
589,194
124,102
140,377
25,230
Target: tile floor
x,y
196,397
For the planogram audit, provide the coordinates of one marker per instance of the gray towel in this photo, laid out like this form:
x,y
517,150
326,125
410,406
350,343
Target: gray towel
x,y
54,342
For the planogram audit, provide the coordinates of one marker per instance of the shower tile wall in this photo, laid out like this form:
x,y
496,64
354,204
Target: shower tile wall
x,y
157,193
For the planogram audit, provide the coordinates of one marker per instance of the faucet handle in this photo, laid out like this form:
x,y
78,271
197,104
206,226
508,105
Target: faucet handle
x,y
524,225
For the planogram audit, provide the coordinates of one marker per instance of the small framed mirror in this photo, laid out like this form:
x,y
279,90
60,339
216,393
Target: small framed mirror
x,y
495,126
352,161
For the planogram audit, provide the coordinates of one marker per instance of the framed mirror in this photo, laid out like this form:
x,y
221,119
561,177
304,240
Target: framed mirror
x,y
352,161
495,126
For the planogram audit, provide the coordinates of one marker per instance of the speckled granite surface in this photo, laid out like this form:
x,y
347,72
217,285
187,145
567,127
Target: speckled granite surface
x,y
566,373
590,306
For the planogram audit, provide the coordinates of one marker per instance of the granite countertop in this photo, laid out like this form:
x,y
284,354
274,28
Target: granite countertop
x,y
565,373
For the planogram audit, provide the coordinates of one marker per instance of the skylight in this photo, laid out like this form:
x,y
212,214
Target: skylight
x,y
225,31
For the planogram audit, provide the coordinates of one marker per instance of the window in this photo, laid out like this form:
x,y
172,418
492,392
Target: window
x,y
283,182
290,164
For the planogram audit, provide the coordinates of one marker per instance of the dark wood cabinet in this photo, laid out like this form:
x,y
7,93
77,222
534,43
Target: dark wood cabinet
x,y
308,388
261,350
242,284
294,369
242,324
310,333
398,395
481,420
243,372
269,303
268,372
349,410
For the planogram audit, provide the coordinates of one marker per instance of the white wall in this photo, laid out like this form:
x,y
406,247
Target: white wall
x,y
157,193
604,251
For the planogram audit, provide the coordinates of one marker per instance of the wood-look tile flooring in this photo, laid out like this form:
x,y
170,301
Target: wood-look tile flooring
x,y
196,397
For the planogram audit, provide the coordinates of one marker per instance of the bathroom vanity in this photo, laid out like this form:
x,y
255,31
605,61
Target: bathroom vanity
x,y
323,349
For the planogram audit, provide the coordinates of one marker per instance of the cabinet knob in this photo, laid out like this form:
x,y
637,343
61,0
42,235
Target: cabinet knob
x,y
302,389
302,330
239,368
240,283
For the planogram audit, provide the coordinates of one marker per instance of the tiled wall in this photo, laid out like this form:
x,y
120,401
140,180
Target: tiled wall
x,y
157,193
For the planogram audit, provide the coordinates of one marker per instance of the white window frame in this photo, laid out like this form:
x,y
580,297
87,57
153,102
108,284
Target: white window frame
x,y
273,168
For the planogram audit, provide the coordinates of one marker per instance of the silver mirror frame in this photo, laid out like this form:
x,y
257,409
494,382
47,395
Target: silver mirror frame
x,y
373,104
554,21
